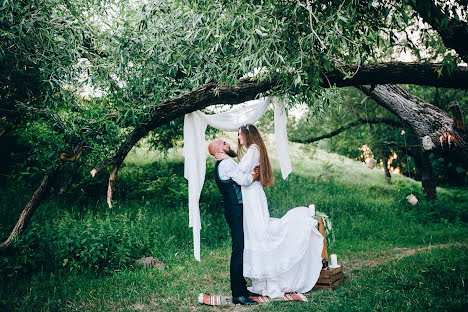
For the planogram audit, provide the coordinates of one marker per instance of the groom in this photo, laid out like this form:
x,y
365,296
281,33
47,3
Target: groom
x,y
228,178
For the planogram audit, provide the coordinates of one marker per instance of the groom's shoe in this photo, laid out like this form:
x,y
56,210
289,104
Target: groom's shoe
x,y
244,300
248,293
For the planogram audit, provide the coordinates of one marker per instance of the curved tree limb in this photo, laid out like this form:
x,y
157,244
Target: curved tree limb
x,y
28,211
202,97
348,126
207,95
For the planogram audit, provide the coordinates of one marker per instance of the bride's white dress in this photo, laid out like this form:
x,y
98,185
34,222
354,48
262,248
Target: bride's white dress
x,y
280,255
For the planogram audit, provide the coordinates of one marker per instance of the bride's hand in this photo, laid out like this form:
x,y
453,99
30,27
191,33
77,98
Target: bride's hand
x,y
257,170
220,156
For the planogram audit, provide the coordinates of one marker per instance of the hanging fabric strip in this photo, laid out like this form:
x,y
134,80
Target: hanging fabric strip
x,y
194,149
281,135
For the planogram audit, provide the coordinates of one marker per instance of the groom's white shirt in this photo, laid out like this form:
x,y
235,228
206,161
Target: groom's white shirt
x,y
229,169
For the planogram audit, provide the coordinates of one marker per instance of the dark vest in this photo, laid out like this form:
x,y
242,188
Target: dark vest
x,y
230,190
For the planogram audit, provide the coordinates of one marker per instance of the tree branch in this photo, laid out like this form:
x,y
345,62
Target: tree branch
x,y
111,185
352,124
247,89
35,201
429,74
457,116
207,95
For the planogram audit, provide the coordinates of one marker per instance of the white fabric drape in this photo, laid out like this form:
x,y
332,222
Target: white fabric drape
x,y
195,154
282,137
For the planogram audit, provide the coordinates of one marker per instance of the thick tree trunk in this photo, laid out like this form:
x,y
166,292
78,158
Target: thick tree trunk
x,y
28,211
428,181
427,177
425,120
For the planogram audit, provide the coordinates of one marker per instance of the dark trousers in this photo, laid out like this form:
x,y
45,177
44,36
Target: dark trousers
x,y
233,216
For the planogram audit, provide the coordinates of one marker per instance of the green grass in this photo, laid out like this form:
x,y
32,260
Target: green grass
x,y
378,236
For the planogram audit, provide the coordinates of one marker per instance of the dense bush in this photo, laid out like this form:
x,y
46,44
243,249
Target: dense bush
x,y
79,233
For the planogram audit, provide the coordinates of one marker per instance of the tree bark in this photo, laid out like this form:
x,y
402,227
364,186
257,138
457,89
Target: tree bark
x,y
427,176
28,211
400,73
111,185
424,164
424,119
457,116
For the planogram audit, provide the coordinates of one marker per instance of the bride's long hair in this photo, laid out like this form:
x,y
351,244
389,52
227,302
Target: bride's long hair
x,y
252,136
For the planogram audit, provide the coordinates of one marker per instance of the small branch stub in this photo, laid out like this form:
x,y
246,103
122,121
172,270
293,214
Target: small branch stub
x,y
68,157
457,116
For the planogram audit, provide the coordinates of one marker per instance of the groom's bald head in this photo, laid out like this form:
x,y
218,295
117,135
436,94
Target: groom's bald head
x,y
215,146
220,146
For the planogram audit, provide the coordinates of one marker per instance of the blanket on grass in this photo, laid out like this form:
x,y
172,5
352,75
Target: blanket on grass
x,y
226,300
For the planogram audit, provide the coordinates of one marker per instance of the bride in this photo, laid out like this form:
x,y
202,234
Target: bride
x,y
280,255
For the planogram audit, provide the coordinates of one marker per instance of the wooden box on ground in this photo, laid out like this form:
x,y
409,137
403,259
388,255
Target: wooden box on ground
x,y
330,278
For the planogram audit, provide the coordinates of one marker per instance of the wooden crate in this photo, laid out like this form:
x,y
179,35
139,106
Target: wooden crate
x,y
330,278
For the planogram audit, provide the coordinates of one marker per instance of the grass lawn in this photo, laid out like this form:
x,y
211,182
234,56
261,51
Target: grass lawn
x,y
77,254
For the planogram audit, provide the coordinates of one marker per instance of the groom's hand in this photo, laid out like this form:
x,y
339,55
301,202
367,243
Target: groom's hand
x,y
220,156
256,175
